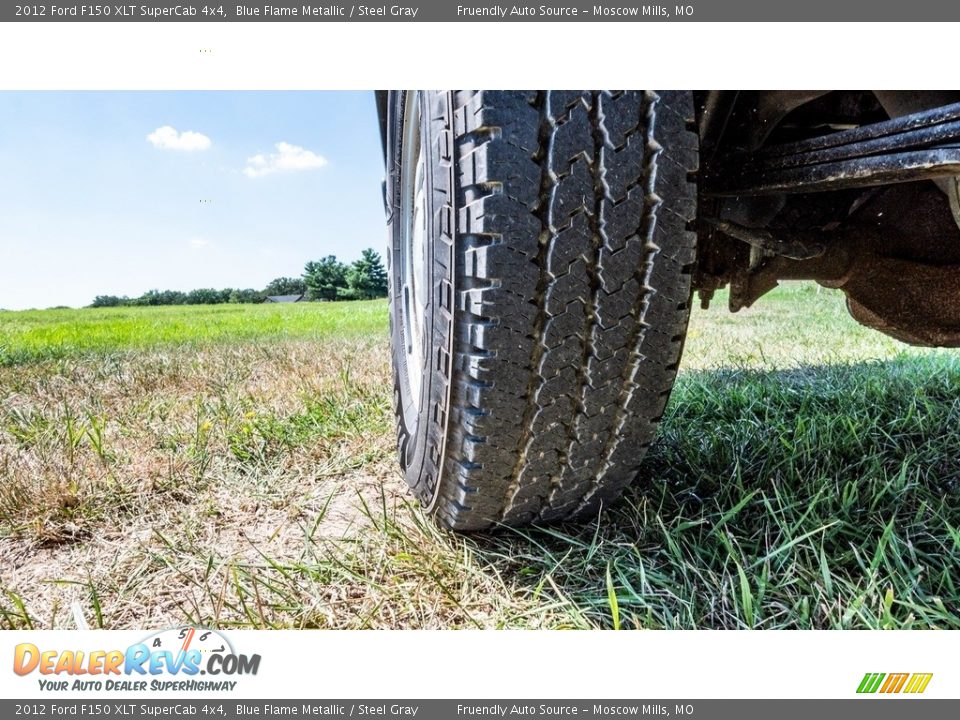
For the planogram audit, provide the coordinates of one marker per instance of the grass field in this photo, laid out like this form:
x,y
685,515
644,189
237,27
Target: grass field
x,y
36,335
233,466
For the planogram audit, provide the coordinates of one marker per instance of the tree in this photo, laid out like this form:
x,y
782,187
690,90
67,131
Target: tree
x,y
325,279
173,297
109,301
203,296
150,297
248,295
286,286
367,277
160,297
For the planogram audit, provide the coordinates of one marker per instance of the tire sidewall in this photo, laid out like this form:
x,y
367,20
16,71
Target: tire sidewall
x,y
422,421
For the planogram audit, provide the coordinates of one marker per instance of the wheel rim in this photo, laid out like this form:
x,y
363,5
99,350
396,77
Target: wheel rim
x,y
413,244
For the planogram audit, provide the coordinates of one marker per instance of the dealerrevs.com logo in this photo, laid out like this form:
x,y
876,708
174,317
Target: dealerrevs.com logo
x,y
171,660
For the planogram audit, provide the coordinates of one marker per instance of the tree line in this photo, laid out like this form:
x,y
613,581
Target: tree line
x,y
324,279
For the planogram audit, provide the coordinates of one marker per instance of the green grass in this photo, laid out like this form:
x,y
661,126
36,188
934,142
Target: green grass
x,y
807,475
50,334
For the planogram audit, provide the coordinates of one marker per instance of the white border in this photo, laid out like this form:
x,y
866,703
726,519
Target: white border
x,y
342,56
480,664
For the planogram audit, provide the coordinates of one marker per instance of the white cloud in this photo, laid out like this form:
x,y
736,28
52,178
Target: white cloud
x,y
287,158
196,243
168,138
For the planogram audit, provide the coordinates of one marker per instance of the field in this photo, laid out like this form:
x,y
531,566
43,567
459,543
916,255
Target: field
x,y
233,466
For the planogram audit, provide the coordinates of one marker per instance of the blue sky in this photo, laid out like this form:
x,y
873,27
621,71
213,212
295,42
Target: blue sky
x,y
120,192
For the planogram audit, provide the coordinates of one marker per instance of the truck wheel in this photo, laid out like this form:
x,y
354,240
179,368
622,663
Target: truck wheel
x,y
540,266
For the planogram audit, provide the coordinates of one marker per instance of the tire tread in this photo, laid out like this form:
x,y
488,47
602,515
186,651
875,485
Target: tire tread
x,y
574,252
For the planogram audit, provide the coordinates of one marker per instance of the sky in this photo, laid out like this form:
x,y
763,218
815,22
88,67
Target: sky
x,y
116,193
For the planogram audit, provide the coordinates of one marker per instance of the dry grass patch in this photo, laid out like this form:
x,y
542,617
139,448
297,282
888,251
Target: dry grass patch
x,y
223,446
806,476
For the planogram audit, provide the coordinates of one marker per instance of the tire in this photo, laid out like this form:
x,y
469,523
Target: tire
x,y
536,343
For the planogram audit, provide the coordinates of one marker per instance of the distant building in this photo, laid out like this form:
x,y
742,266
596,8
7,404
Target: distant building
x,y
284,298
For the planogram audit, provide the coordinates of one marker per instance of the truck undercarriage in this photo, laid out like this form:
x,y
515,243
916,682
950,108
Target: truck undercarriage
x,y
826,186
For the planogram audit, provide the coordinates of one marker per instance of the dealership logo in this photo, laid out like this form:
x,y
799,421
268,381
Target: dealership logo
x,y
910,683
168,660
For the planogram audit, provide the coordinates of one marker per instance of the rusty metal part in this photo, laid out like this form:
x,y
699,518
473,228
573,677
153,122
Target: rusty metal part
x,y
904,288
829,269
919,146
924,309
799,246
900,132
898,103
916,303
847,174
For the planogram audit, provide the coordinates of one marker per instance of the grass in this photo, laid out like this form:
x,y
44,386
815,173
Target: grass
x,y
36,335
239,472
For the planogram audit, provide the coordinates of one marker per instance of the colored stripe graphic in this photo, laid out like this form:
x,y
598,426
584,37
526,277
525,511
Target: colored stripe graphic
x,y
893,683
918,682
870,682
